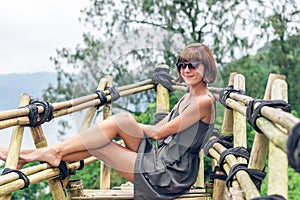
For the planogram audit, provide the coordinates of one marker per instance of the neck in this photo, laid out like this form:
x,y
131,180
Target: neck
x,y
199,89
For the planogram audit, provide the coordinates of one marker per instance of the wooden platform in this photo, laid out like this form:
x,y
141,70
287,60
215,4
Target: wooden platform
x,y
128,194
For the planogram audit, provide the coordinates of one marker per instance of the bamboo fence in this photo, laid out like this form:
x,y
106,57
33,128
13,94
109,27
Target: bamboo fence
x,y
273,123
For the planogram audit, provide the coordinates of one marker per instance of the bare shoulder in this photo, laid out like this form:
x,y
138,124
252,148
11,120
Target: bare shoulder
x,y
205,100
207,108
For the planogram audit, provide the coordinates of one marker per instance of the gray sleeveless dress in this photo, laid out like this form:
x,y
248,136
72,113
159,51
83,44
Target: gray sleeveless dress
x,y
170,169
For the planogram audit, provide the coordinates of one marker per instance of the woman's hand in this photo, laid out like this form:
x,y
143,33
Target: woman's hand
x,y
151,130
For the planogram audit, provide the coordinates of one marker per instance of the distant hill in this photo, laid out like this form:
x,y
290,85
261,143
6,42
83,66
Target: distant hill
x,y
13,85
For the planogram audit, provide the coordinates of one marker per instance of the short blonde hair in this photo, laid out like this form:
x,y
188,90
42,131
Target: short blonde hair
x,y
198,52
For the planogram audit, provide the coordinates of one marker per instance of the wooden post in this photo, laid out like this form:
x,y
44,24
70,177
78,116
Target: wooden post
x,y
105,169
200,179
75,189
239,125
278,162
162,96
261,143
88,118
239,134
227,125
227,129
15,142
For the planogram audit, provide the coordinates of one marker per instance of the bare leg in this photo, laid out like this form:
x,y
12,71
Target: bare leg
x,y
80,155
95,137
120,158
3,153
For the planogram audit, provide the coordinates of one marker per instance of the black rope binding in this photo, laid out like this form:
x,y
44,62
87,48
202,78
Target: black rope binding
x,y
36,118
21,176
293,147
81,166
226,141
64,171
214,175
237,151
159,116
256,175
225,92
162,76
252,114
270,197
102,97
114,93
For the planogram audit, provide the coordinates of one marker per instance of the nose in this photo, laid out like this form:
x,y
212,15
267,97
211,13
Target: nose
x,y
186,69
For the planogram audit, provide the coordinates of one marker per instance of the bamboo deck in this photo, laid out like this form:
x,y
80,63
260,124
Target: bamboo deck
x,y
128,194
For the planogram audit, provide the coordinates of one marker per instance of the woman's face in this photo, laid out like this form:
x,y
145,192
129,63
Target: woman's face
x,y
192,72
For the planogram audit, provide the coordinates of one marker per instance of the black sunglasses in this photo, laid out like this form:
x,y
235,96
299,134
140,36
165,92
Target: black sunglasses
x,y
190,65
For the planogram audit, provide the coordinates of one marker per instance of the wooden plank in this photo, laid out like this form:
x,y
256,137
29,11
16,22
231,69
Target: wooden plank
x,y
128,194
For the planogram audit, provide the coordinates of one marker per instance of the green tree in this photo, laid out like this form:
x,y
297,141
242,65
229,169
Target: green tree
x,y
144,33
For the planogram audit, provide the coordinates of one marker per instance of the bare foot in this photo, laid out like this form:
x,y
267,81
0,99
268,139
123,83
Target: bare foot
x,y
3,153
46,154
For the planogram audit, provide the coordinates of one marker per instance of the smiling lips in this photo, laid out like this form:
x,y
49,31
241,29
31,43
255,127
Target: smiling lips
x,y
188,76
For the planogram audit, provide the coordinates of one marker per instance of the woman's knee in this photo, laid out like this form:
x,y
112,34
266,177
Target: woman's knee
x,y
127,124
124,119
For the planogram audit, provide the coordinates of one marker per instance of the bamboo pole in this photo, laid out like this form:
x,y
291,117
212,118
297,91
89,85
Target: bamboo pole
x,y
284,119
15,143
227,130
200,178
239,135
105,169
88,118
260,144
244,180
27,171
75,189
4,179
242,177
214,90
70,103
135,85
179,88
162,96
86,123
65,107
227,125
276,135
278,171
47,173
239,120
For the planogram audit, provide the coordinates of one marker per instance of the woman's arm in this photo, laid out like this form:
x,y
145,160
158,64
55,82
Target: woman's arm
x,y
202,108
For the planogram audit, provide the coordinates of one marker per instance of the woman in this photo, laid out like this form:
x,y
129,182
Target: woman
x,y
163,172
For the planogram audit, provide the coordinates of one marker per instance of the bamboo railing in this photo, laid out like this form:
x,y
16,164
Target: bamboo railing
x,y
273,123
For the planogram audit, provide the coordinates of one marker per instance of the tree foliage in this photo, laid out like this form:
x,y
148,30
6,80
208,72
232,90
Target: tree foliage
x,y
127,39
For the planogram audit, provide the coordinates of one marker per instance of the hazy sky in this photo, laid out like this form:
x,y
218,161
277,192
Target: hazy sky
x,y
31,31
